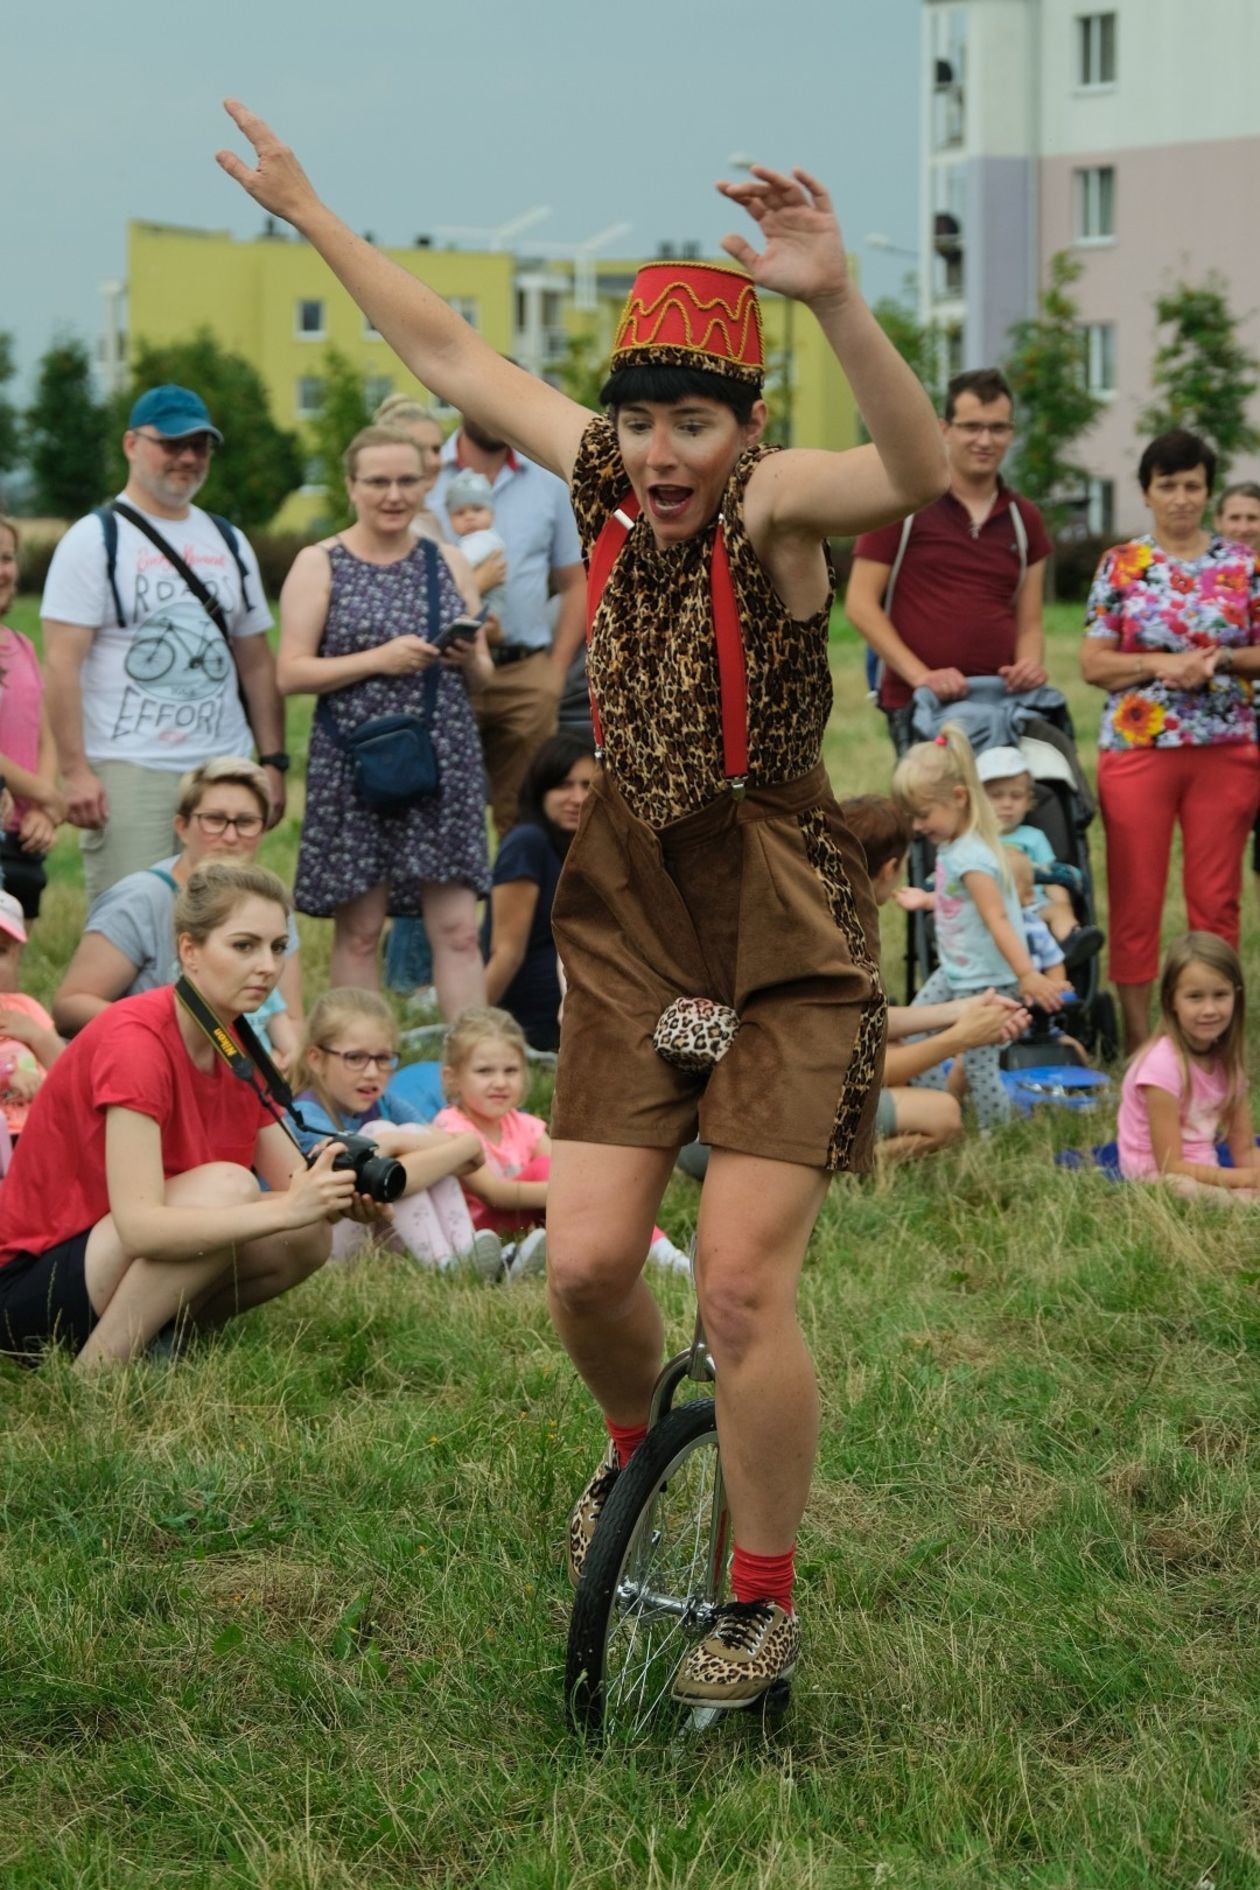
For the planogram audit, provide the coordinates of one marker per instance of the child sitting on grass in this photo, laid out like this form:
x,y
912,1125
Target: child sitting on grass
x,y
29,1046
918,1121
1186,1090
484,1076
350,1053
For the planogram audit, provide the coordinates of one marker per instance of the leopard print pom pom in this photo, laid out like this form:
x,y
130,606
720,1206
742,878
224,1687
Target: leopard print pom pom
x,y
695,1033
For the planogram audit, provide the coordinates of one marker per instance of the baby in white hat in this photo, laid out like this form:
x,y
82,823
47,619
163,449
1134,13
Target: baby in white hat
x,y
1009,786
470,509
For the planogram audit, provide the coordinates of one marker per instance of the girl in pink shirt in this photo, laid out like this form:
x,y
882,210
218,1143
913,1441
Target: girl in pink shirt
x,y
28,759
1186,1090
484,1076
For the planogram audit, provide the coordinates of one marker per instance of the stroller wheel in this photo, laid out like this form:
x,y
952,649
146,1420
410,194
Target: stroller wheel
x,y
1106,1027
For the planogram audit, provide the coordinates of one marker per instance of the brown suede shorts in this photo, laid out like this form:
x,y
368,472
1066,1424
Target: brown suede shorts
x,y
762,904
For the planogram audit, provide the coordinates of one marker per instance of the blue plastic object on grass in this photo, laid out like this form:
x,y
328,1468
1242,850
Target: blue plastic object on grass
x,y
1063,1085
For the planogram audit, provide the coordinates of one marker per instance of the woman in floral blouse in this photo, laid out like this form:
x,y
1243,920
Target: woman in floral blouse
x,y
1171,630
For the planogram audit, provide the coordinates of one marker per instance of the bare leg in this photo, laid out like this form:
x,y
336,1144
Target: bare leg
x,y
756,1217
1135,1012
134,1297
450,919
601,1204
927,1120
357,928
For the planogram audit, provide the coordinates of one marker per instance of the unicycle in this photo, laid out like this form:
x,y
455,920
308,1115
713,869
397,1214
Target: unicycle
x,y
655,1573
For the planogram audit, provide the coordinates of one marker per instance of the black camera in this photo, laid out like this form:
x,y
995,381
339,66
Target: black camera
x,y
378,1176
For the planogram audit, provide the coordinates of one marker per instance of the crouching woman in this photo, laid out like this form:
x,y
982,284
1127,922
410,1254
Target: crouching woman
x,y
132,1201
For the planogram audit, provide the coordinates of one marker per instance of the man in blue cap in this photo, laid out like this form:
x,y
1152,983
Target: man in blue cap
x,y
155,645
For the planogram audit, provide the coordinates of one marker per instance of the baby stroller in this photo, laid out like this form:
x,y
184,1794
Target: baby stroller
x,y
1039,723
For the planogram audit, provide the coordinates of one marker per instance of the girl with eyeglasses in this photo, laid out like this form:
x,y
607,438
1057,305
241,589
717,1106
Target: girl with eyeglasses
x,y
350,1054
128,942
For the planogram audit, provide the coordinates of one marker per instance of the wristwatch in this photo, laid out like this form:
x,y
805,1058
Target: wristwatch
x,y
279,760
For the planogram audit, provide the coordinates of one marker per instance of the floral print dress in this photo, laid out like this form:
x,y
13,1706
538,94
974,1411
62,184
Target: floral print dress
x,y
1148,602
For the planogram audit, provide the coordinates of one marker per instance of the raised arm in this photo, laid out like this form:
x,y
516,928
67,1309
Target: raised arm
x,y
436,344
828,494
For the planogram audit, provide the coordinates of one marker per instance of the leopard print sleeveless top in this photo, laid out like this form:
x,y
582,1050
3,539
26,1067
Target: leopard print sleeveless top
x,y
653,657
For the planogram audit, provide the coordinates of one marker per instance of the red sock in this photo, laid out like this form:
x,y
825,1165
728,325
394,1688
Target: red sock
x,y
763,1577
627,1438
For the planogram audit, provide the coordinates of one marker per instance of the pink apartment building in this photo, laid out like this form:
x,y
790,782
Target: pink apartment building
x,y
1128,134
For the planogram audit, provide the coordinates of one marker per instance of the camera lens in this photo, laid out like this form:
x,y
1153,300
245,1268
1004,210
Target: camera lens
x,y
381,1177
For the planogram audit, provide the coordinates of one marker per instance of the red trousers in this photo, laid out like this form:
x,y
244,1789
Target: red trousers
x,y
1213,793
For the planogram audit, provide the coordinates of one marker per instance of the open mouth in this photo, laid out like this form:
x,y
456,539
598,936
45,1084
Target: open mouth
x,y
668,502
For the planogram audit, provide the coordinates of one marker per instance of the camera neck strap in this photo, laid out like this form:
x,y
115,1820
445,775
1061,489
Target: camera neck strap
x,y
246,1063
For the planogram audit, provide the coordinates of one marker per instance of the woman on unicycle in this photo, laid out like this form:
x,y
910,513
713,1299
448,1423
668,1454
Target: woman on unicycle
x,y
714,918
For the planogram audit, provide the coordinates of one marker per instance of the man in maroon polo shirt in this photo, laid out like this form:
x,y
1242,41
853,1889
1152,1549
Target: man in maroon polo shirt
x,y
966,598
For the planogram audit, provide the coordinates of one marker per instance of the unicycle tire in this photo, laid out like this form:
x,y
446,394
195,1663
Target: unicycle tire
x,y
653,1578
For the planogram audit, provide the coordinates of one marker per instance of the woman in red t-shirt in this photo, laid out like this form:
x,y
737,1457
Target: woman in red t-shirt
x,y
132,1203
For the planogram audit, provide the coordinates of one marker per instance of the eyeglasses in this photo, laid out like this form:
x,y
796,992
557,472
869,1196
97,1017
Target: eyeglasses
x,y
358,1060
246,825
376,484
202,444
972,429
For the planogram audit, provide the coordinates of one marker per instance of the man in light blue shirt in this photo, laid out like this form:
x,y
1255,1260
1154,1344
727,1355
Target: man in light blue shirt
x,y
532,514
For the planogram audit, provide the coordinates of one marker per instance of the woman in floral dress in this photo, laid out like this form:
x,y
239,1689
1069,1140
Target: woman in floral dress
x,y
355,630
1170,634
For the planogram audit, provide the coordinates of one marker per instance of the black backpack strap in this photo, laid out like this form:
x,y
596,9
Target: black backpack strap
x,y
227,532
205,597
109,529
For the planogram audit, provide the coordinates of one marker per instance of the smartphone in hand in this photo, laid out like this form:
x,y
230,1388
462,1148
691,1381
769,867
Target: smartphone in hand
x,y
459,630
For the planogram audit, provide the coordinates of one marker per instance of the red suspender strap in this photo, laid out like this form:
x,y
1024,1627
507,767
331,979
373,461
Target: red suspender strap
x,y
732,672
604,555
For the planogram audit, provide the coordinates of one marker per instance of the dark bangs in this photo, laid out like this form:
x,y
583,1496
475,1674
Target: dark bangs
x,y
548,768
666,386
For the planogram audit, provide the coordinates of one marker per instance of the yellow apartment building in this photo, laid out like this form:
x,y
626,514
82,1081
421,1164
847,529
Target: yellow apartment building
x,y
273,301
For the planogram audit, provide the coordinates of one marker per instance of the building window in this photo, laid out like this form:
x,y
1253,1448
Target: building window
x,y
948,209
949,76
1100,506
1096,204
1096,49
376,388
310,396
465,306
1099,340
310,320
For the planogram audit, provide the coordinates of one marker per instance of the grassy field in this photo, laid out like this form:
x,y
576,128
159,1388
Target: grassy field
x,y
292,1614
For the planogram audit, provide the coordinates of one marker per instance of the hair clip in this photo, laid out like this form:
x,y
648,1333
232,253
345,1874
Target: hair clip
x,y
940,741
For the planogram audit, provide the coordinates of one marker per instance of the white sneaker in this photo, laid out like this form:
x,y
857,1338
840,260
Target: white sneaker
x,y
666,1255
485,1256
529,1257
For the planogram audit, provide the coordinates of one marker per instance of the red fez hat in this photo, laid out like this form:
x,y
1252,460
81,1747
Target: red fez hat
x,y
698,315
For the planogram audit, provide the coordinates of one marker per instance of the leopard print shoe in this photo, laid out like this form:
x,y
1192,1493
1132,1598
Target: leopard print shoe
x,y
588,1509
754,1644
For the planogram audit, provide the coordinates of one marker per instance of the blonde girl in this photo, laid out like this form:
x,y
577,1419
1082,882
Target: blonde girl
x,y
1186,1090
979,927
349,1054
484,1074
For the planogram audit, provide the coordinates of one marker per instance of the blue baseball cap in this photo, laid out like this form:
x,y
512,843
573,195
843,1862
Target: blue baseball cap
x,y
174,412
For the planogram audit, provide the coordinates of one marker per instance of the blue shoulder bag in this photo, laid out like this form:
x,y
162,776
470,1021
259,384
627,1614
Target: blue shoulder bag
x,y
392,758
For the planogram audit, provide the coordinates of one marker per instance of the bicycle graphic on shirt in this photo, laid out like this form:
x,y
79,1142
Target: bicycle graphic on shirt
x,y
177,653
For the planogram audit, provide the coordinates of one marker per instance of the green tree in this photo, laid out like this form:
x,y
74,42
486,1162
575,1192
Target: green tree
x,y
1203,376
917,342
259,463
343,412
10,430
1046,368
65,432
583,369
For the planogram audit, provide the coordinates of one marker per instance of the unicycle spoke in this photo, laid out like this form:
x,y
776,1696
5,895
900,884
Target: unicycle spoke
x,y
653,1579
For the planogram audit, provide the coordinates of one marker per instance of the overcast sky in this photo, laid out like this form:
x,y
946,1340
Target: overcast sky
x,y
467,112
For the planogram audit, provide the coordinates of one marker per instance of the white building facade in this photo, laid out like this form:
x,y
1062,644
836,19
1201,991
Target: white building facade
x,y
1127,134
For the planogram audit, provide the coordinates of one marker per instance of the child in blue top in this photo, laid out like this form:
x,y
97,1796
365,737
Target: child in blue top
x,y
350,1053
1009,785
979,927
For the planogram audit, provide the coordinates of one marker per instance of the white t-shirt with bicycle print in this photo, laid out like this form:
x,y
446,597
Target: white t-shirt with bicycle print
x,y
159,690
